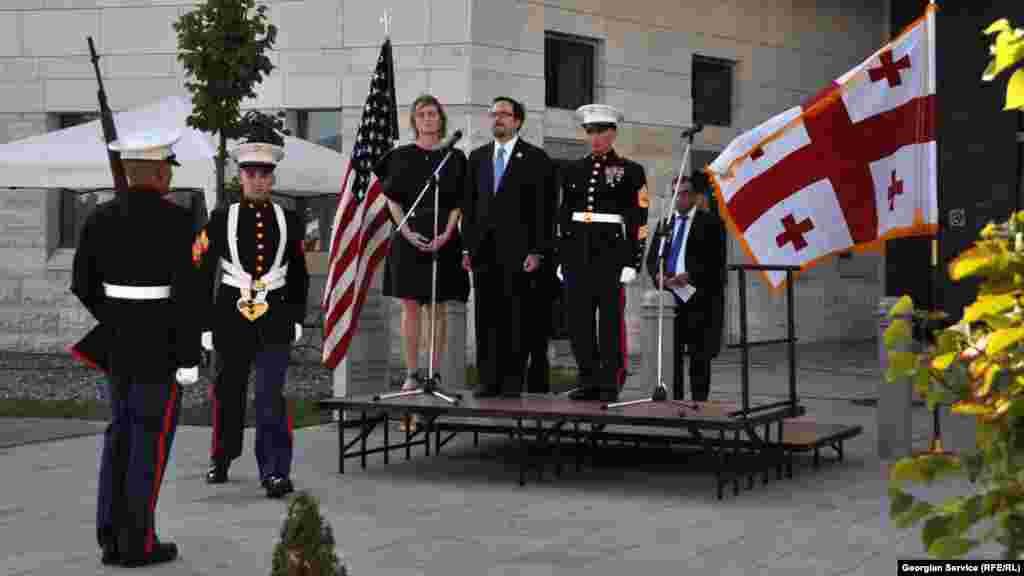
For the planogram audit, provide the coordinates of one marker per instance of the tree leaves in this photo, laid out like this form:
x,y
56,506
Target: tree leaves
x,y
951,547
990,305
1008,51
903,307
898,333
222,45
1003,339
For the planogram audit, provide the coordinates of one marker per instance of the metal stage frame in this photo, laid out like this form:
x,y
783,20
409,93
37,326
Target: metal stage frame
x,y
743,441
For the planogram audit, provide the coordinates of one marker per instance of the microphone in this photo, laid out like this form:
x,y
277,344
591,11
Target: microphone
x,y
692,130
451,141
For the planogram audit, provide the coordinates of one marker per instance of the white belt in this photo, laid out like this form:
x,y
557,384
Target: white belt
x,y
137,292
239,278
588,217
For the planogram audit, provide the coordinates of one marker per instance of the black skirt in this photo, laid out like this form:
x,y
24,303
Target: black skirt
x,y
409,271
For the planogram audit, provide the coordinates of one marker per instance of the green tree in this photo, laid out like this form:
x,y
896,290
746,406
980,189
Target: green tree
x,y
222,45
306,547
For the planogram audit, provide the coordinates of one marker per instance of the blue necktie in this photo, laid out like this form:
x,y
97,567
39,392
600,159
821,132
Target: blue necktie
x,y
677,244
499,168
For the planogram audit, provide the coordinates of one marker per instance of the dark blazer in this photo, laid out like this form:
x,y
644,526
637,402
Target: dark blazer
x,y
138,239
276,328
705,267
518,217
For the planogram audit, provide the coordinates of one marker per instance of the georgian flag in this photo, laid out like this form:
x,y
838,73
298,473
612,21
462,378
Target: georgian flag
x,y
853,166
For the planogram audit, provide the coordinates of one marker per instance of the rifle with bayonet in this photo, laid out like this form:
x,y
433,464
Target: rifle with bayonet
x,y
93,348
107,121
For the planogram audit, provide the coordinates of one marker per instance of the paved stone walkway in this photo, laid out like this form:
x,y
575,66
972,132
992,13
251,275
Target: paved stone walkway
x,y
463,512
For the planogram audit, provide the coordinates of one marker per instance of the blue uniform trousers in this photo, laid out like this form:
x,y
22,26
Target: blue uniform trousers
x,y
273,419
136,447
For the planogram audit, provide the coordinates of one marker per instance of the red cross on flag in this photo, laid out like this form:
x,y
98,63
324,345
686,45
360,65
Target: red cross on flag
x,y
851,167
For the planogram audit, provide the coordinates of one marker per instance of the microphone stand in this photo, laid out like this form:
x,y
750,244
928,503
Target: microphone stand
x,y
430,385
660,391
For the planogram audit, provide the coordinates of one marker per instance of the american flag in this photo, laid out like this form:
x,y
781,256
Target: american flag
x,y
360,236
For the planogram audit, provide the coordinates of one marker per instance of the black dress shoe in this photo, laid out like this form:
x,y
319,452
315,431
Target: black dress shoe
x,y
162,552
277,486
110,556
217,474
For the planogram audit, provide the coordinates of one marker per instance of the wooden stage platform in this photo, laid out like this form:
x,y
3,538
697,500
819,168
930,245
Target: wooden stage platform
x,y
743,440
550,428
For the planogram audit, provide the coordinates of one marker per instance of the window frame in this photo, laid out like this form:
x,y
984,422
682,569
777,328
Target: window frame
x,y
553,58
700,113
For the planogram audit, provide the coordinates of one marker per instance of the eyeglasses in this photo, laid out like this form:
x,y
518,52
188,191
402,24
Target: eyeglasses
x,y
494,114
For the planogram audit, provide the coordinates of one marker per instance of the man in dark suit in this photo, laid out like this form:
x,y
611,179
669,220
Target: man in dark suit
x,y
509,184
133,273
694,258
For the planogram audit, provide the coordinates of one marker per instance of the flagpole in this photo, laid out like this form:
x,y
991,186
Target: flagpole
x,y
933,278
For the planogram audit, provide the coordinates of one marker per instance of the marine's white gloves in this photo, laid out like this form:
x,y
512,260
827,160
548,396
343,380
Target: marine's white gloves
x,y
207,341
298,332
558,272
628,275
187,376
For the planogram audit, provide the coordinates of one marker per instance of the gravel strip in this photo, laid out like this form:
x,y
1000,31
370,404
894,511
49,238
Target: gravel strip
x,y
61,377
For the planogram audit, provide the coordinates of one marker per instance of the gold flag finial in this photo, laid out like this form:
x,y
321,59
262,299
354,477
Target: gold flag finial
x,y
386,21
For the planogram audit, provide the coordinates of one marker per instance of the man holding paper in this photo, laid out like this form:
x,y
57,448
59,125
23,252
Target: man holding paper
x,y
695,275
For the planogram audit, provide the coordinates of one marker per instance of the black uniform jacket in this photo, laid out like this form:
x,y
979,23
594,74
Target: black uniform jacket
x,y
258,236
603,184
138,239
517,215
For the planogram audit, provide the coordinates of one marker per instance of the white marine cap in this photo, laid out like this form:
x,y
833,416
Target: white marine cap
x,y
598,114
257,154
153,145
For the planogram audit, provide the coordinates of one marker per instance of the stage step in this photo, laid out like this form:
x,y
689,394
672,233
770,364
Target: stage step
x,y
806,435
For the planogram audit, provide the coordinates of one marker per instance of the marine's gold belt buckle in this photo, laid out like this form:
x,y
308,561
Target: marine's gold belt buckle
x,y
259,285
588,217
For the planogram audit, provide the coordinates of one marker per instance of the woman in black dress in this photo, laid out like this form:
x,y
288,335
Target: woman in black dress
x,y
408,272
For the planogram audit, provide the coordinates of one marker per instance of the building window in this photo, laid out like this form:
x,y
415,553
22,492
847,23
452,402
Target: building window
x,y
77,205
322,127
711,89
569,70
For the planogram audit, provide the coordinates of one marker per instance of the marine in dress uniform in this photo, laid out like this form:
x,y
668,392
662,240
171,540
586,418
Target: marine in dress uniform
x,y
256,247
603,220
133,272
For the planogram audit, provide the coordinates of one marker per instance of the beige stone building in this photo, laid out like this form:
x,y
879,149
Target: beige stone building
x,y
729,64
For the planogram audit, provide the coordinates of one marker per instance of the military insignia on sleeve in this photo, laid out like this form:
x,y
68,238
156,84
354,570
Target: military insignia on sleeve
x,y
643,198
199,248
642,233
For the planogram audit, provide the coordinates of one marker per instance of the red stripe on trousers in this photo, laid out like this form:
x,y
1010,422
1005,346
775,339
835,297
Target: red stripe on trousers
x,y
158,473
291,420
81,357
620,377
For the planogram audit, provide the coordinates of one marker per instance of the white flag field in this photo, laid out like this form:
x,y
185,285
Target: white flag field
x,y
850,168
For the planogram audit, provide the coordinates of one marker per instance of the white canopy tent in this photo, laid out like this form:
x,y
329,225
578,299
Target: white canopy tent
x,y
76,157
